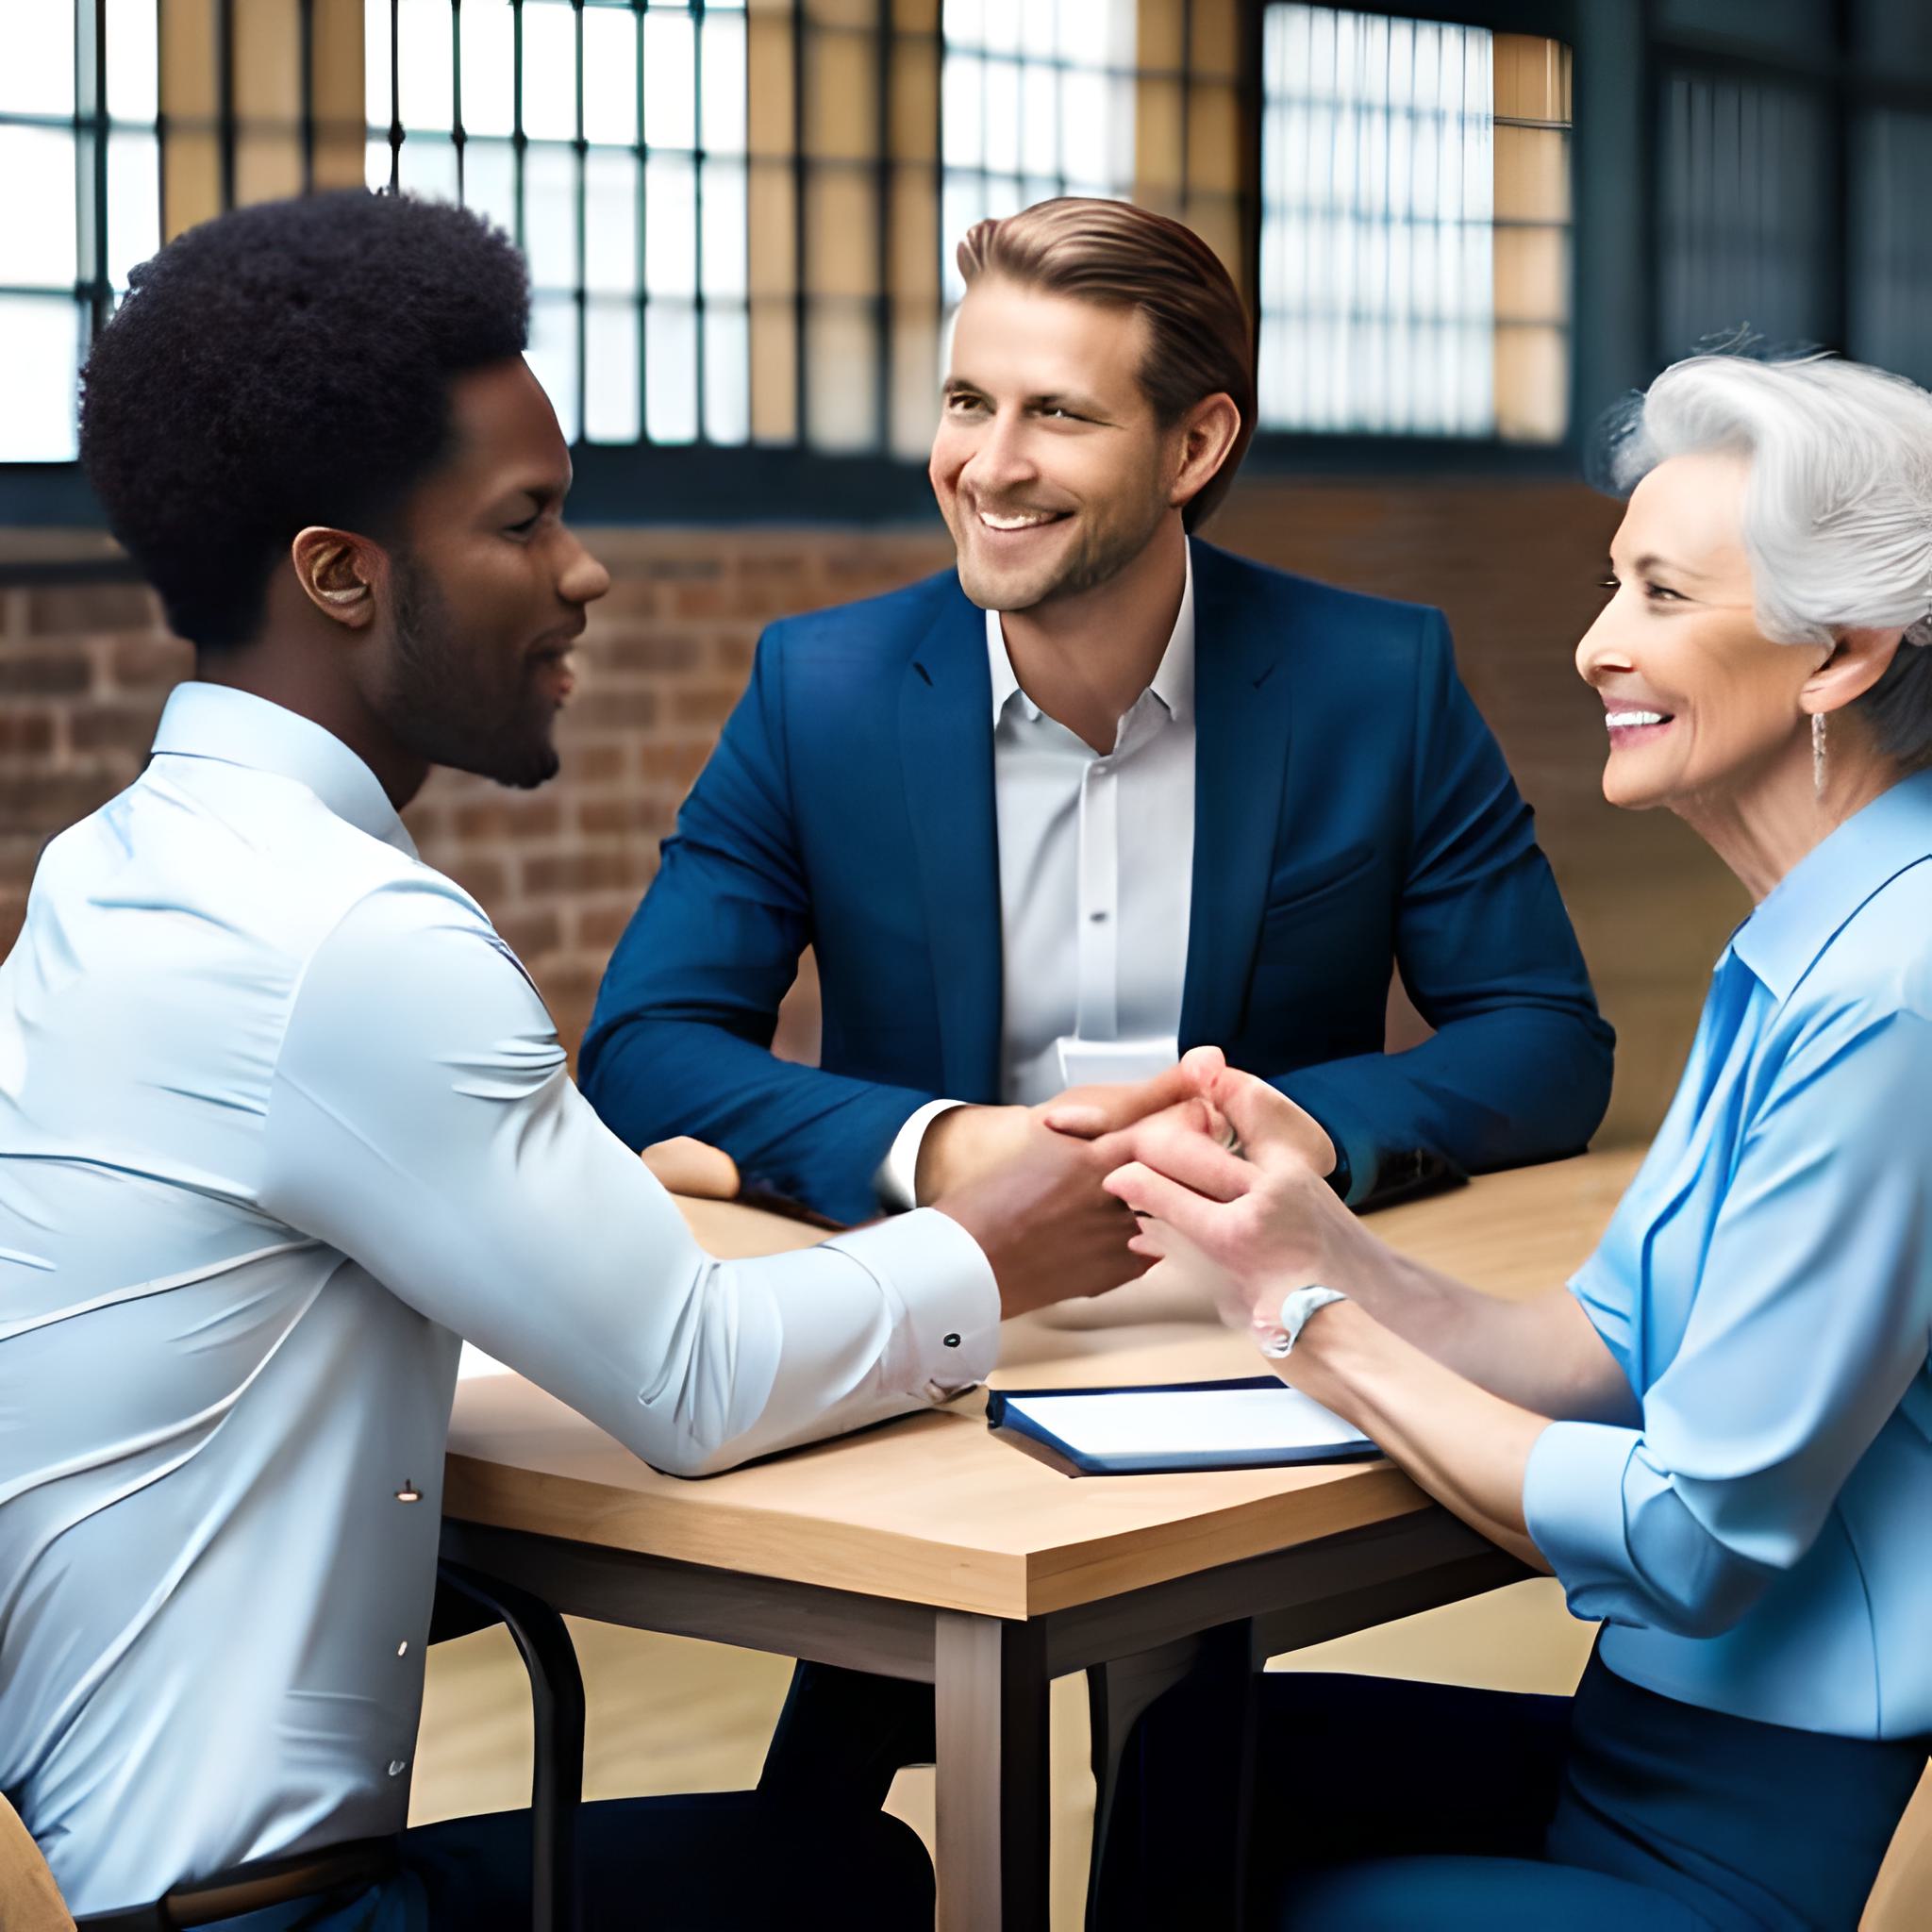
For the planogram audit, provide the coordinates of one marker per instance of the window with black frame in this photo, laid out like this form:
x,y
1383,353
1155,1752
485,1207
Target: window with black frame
x,y
1415,217
81,164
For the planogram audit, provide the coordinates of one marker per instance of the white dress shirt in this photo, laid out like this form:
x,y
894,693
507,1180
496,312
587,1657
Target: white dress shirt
x,y
1096,878
282,1119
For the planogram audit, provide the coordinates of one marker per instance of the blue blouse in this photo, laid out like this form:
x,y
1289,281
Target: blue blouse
x,y
1762,1543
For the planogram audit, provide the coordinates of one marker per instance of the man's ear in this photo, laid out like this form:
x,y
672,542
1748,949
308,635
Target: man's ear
x,y
1859,659
1208,431
339,572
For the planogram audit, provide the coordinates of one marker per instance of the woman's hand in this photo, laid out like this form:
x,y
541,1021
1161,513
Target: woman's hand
x,y
1263,1224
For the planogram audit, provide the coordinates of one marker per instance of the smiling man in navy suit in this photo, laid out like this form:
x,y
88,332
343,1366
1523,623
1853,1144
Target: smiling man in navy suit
x,y
1097,795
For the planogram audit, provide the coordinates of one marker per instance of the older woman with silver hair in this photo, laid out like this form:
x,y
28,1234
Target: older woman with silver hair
x,y
1719,1435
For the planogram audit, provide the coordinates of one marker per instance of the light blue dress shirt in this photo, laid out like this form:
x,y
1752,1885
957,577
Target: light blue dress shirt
x,y
282,1119
1762,1543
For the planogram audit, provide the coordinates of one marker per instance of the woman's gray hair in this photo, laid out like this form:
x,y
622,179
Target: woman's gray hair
x,y
1837,509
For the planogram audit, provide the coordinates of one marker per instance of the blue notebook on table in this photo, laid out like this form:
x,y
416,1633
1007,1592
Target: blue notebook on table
x,y
1255,1423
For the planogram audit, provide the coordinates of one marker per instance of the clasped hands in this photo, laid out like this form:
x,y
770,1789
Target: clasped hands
x,y
1052,1188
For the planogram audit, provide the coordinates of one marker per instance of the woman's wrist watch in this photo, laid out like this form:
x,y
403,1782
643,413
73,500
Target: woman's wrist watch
x,y
1278,1338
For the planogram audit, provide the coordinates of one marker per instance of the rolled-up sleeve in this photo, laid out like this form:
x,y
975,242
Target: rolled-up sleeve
x,y
1810,1320
422,1120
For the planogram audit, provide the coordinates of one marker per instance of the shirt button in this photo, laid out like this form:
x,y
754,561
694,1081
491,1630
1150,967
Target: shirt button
x,y
397,1766
952,1340
403,1648
1098,917
409,1492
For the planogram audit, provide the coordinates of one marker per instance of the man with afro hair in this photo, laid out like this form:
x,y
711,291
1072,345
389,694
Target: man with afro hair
x,y
286,1122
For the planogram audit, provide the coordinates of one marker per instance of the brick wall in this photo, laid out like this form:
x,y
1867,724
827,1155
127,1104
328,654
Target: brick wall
x,y
84,671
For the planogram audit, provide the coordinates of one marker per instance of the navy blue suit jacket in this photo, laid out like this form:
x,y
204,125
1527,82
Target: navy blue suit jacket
x,y
1351,810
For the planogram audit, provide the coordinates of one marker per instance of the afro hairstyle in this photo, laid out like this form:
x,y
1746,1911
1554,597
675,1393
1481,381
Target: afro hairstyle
x,y
285,365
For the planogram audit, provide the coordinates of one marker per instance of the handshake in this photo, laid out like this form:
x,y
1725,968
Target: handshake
x,y
1056,1194
1202,1165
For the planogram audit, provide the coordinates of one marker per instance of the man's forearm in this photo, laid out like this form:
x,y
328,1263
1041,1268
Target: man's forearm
x,y
813,1136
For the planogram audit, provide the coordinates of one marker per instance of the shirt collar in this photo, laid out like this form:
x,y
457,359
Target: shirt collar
x,y
1802,912
235,727
1173,677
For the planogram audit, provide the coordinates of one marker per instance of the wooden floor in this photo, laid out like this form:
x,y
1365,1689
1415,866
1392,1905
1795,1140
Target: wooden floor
x,y
671,1715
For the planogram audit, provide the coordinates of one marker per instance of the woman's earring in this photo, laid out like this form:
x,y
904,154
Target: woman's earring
x,y
1818,753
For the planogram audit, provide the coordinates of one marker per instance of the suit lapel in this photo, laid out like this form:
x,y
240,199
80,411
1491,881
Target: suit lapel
x,y
1240,760
945,735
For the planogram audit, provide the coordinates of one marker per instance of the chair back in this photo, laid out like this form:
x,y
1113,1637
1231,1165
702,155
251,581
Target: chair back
x,y
30,1899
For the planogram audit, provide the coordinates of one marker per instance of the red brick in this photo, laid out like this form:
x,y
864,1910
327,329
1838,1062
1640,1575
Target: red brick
x,y
113,727
65,609
514,815
19,855
627,812
734,653
600,928
483,879
619,710
681,570
704,705
26,734
592,764
559,873
676,764
52,672
140,662
47,804
530,935
665,651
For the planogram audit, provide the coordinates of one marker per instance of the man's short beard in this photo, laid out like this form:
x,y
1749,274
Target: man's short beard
x,y
452,710
1105,550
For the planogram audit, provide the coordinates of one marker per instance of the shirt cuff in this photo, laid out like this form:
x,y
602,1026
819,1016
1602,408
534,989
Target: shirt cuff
x,y
896,1179
948,1335
1572,1507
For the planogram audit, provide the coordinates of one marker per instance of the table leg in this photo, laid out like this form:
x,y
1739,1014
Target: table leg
x,y
990,1687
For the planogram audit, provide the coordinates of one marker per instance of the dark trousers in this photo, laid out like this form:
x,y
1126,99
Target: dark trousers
x,y
1382,1805
724,1862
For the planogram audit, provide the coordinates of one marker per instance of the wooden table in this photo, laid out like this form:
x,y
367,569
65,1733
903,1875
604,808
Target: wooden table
x,y
926,1549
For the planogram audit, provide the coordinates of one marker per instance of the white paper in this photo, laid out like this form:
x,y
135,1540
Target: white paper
x,y
1159,1423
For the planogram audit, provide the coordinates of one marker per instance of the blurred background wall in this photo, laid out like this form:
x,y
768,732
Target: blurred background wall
x,y
1466,230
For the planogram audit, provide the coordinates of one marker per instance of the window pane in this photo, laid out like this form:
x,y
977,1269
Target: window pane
x,y
610,373
670,226
670,373
376,162
550,70
1892,268
724,230
727,375
429,167
489,67
725,84
37,418
962,110
670,79
1382,181
375,64
422,43
37,239
1746,214
134,202
37,77
132,59
553,354
610,75
490,182
550,216
611,222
